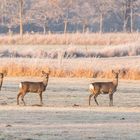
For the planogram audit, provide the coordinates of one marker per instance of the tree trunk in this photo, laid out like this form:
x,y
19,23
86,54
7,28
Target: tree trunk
x,y
125,25
76,28
127,16
65,26
131,17
124,17
101,23
9,31
45,27
84,26
21,18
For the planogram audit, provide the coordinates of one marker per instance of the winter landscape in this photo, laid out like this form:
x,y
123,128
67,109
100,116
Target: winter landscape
x,y
66,114
50,53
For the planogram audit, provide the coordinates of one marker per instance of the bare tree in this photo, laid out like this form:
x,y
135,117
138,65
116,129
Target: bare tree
x,y
126,11
102,9
17,13
9,10
2,3
67,9
21,17
13,13
84,13
23,8
134,12
43,11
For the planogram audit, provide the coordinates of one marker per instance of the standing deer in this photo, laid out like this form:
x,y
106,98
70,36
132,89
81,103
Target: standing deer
x,y
97,88
1,78
36,87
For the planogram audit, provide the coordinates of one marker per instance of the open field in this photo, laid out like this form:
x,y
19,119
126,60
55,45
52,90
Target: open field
x,y
73,38
83,67
70,51
72,60
66,115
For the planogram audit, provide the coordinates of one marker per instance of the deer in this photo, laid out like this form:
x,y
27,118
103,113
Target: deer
x,y
33,87
98,88
2,75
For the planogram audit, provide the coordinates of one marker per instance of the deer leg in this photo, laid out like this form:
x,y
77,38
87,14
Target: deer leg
x,y
95,99
111,99
19,94
90,98
22,98
40,95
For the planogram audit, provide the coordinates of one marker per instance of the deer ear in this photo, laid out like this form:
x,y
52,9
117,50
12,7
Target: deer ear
x,y
49,71
113,71
5,73
43,72
119,71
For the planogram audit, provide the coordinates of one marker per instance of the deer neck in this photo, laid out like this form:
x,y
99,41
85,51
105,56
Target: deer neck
x,y
115,82
1,81
45,81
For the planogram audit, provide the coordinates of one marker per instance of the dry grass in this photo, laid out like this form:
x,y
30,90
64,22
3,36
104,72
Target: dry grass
x,y
75,38
113,45
69,51
97,67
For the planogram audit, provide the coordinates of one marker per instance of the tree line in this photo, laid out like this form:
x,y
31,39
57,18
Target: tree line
x,y
71,15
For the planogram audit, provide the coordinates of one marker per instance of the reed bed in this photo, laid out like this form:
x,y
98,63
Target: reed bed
x,y
71,55
72,38
94,67
69,51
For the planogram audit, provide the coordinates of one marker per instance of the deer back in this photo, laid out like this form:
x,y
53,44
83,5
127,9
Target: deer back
x,y
102,87
32,86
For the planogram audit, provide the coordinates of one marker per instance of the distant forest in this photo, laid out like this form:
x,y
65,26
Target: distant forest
x,y
69,16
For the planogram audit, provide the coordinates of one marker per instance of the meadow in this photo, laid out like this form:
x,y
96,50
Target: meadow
x,y
84,55
74,61
66,114
72,38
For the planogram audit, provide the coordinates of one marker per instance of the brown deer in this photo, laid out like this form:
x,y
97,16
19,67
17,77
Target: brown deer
x,y
36,87
1,78
97,88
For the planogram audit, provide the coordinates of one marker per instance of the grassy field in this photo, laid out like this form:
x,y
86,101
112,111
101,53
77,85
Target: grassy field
x,y
82,67
74,38
71,55
71,61
66,115
74,61
70,51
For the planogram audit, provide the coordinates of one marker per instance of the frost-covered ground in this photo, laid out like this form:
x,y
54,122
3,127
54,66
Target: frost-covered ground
x,y
66,115
96,64
69,51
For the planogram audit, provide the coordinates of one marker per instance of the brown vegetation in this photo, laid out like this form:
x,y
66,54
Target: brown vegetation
x,y
83,67
18,70
78,38
69,51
